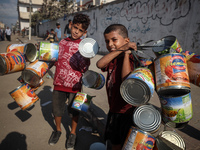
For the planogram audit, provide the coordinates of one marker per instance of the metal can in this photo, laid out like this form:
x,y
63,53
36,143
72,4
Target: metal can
x,y
24,96
48,51
139,140
81,101
11,62
147,118
168,44
138,87
92,79
177,109
34,72
170,140
171,74
28,50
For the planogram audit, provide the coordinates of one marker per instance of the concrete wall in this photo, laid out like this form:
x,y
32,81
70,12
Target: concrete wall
x,y
145,20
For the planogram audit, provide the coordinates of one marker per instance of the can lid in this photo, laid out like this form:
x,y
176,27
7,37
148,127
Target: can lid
x,y
147,118
173,137
30,52
89,78
3,66
135,91
88,47
31,78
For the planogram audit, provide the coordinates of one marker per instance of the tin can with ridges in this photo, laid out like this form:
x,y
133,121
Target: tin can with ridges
x,y
138,87
92,79
177,109
147,118
168,44
11,62
171,74
170,139
24,96
28,50
138,139
34,72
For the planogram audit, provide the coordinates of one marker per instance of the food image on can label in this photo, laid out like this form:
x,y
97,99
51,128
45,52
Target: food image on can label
x,y
81,102
138,140
138,87
48,51
24,96
177,109
92,79
171,74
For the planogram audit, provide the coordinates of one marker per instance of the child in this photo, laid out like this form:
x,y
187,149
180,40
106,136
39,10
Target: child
x,y
58,32
118,63
51,36
67,80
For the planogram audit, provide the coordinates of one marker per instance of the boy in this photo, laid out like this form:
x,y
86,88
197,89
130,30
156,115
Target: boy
x,y
118,63
51,36
67,79
58,32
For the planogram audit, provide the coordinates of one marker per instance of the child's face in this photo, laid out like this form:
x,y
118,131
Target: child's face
x,y
77,31
114,40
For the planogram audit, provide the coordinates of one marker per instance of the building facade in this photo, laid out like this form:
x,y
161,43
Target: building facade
x,y
25,8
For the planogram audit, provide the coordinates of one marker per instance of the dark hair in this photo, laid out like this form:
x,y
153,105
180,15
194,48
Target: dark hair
x,y
69,20
57,23
82,19
117,27
52,29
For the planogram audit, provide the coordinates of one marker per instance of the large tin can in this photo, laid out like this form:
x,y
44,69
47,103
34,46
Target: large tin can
x,y
170,140
81,101
177,109
138,87
171,74
48,51
147,118
34,72
11,62
92,79
24,96
138,140
28,50
168,44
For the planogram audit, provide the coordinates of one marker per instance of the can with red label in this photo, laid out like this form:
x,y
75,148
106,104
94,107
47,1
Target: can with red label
x,y
171,74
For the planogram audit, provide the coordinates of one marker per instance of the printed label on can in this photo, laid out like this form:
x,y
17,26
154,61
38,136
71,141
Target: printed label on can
x,y
16,47
176,46
177,109
81,102
138,140
144,75
48,51
38,67
100,81
171,70
24,96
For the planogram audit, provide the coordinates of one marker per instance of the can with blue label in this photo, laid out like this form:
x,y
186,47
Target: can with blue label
x,y
171,74
138,87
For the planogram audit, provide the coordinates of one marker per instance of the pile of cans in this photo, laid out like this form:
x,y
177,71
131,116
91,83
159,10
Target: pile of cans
x,y
33,65
172,84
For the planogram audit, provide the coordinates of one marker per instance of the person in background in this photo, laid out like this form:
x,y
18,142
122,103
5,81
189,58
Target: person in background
x,y
68,28
67,80
58,32
51,36
118,64
8,34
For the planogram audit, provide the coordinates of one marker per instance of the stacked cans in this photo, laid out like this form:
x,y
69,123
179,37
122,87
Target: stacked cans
x,y
23,57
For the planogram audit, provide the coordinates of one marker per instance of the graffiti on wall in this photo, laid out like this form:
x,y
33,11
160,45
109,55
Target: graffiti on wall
x,y
166,11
